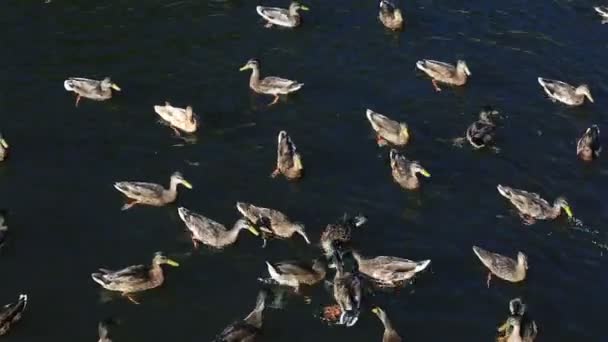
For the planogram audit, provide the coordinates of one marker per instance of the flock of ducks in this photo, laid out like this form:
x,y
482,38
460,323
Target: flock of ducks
x,y
354,272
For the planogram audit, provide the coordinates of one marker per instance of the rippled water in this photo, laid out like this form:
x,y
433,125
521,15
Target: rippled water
x,y
66,216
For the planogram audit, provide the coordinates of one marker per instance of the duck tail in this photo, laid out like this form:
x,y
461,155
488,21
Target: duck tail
x,y
272,271
503,190
421,65
349,317
296,86
99,278
422,265
68,85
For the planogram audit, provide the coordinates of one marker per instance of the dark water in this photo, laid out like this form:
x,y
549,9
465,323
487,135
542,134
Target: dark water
x,y
66,216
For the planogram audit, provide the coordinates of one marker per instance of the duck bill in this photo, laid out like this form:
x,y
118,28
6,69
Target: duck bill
x,y
425,173
187,184
376,310
253,231
568,211
305,8
172,263
244,67
3,143
115,87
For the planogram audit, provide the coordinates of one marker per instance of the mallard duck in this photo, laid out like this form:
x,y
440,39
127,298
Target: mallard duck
x,y
294,274
512,330
405,172
481,133
269,85
337,235
151,193
565,93
390,15
11,314
247,329
445,73
390,334
503,267
102,330
603,11
271,221
135,278
531,207
588,146
280,16
347,292
387,130
3,148
289,161
178,118
389,271
211,233
528,329
90,89
3,228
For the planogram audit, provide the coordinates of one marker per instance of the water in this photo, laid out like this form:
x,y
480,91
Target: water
x,y
66,216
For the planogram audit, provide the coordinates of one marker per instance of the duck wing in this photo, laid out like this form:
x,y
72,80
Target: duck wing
x,y
498,264
139,189
480,133
275,15
382,124
436,68
203,228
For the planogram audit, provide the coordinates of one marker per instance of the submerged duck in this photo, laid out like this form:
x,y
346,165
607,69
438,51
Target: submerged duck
x,y
151,193
588,146
247,329
405,172
178,118
603,11
269,85
531,207
294,274
271,221
209,232
527,327
390,334
3,148
102,330
388,271
390,15
503,267
387,130
135,278
289,161
90,89
445,73
565,93
337,235
280,16
347,292
3,228
11,314
482,132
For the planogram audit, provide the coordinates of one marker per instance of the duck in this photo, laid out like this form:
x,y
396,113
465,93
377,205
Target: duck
x,y
178,118
337,236
132,279
502,266
390,334
282,17
289,160
389,271
405,172
295,274
347,291
532,207
12,313
271,221
3,148
512,329
269,85
441,72
390,16
482,132
3,228
388,130
150,193
603,12
102,331
211,233
247,329
90,89
588,146
565,93
528,328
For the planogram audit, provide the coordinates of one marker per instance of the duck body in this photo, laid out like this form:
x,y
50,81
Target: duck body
x,y
269,85
528,330
390,16
482,132
271,221
347,292
389,271
532,207
11,314
588,146
444,72
388,130
289,18
91,89
564,92
338,235
183,119
247,329
150,193
294,274
503,267
405,172
209,232
289,160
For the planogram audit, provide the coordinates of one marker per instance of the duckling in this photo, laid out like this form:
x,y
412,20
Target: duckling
x,y
482,132
528,328
90,89
269,85
588,147
294,274
388,271
3,148
503,267
390,334
405,172
390,15
531,207
178,118
271,221
445,73
151,193
282,17
247,329
565,93
11,314
289,161
336,236
387,130
603,12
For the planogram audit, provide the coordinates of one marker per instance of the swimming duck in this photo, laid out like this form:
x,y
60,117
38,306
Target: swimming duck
x,y
528,329
347,292
337,235
3,228
390,15
445,73
503,267
387,130
90,89
289,161
11,314
390,334
388,271
603,11
294,274
178,118
151,193
3,148
405,172
481,133
135,278
102,330
247,329
531,207
280,16
269,85
512,330
271,221
565,93
588,146
209,232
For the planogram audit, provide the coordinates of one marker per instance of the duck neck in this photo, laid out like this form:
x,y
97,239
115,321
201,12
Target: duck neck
x,y
385,321
156,273
232,234
556,210
254,79
255,317
293,12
